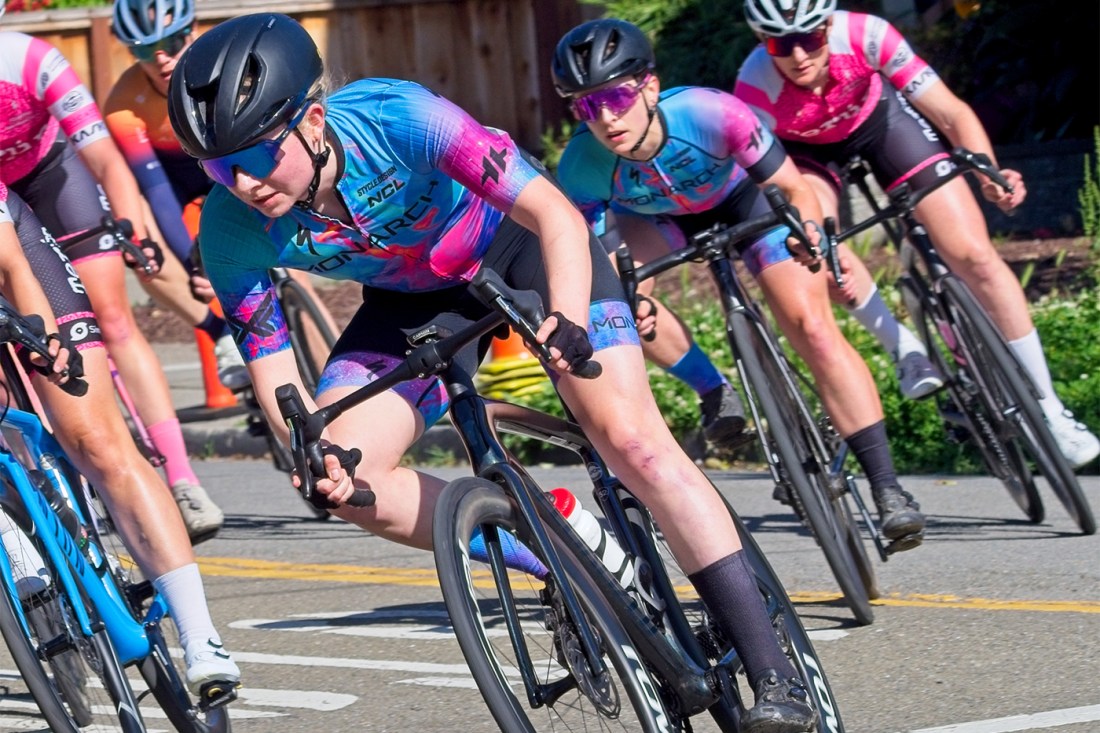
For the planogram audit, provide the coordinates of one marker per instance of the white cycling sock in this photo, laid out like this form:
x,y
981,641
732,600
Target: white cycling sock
x,y
183,592
1030,353
877,318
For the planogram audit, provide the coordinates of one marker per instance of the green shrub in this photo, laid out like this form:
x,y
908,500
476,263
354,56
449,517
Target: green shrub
x,y
1089,196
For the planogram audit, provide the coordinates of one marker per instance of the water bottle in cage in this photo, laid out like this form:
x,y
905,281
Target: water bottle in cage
x,y
594,535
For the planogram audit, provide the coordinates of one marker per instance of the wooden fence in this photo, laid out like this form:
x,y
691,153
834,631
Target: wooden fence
x,y
489,56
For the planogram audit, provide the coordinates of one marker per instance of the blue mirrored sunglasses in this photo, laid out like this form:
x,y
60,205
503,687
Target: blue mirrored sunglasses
x,y
256,160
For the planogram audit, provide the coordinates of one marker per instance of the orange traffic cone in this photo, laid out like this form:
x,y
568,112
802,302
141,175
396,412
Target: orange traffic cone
x,y
508,348
217,394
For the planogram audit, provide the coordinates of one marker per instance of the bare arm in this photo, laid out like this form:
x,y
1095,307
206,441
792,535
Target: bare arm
x,y
957,120
563,234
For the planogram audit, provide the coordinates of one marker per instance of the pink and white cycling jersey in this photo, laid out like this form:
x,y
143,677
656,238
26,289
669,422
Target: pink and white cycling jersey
x,y
39,92
862,49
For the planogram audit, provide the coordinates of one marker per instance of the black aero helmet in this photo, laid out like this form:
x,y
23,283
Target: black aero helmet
x,y
240,80
597,52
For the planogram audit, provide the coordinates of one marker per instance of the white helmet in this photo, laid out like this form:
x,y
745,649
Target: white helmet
x,y
780,17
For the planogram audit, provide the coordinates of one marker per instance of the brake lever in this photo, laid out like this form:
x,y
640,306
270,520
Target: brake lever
x,y
789,217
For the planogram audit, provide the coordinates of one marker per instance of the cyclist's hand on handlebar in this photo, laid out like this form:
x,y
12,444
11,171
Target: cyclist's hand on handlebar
x,y
59,371
153,254
201,289
568,342
847,293
1006,200
813,257
645,317
337,486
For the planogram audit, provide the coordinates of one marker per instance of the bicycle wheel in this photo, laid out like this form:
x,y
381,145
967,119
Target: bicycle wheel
x,y
76,680
966,414
521,647
312,341
310,336
792,635
1010,398
795,447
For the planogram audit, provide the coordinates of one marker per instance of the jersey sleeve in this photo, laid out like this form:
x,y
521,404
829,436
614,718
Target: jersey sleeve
x,y
754,147
887,51
132,137
59,88
237,250
426,132
584,173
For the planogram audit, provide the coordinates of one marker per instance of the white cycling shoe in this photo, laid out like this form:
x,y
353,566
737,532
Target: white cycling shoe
x,y
1078,445
209,662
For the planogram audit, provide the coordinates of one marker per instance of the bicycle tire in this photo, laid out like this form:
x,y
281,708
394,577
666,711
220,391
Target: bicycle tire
x,y
627,692
793,638
53,639
37,675
1004,461
1010,388
687,621
794,444
309,335
308,330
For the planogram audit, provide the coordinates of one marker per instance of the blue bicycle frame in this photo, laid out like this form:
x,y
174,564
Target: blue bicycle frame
x,y
75,571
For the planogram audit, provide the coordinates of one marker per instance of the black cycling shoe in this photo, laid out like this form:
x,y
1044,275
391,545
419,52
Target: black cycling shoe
x,y
723,417
782,706
899,515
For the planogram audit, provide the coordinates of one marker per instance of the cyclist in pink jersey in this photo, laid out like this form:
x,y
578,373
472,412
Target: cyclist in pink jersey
x,y
57,154
833,84
38,278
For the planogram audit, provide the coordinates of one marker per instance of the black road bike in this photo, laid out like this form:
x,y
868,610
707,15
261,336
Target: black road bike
x,y
804,454
576,650
988,397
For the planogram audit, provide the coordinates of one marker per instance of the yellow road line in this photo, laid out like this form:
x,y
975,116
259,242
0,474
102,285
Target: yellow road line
x,y
331,573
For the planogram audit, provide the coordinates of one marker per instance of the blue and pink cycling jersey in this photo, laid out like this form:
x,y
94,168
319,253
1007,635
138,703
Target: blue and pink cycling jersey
x,y
426,187
713,144
862,50
715,151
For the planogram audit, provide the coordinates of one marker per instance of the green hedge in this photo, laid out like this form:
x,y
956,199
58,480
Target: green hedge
x,y
917,436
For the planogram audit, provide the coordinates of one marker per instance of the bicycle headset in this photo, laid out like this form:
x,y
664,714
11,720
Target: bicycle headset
x,y
144,22
234,84
598,51
782,17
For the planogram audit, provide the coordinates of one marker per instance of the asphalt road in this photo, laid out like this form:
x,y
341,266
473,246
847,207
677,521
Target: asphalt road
x,y
993,625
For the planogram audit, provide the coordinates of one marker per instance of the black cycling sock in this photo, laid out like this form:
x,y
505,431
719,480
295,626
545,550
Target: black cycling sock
x,y
728,588
871,448
213,324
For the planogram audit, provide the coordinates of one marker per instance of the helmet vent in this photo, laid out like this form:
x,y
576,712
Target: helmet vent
x,y
247,86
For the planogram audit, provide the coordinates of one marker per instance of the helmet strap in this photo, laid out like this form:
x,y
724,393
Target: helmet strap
x,y
319,161
651,112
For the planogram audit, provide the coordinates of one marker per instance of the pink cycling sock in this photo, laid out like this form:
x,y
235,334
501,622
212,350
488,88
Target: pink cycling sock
x,y
168,438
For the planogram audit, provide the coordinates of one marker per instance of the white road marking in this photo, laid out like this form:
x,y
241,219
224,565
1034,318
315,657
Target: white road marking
x,y
1031,721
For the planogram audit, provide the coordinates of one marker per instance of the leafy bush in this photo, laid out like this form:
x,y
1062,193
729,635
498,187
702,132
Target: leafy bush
x,y
1089,195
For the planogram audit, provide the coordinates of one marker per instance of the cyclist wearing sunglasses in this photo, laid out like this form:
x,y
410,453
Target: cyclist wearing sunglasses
x,y
64,164
651,168
388,184
865,92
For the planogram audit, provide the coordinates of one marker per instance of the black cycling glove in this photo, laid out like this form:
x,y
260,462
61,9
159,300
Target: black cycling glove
x,y
571,340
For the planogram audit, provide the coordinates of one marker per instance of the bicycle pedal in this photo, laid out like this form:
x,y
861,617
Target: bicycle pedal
x,y
908,542
216,693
